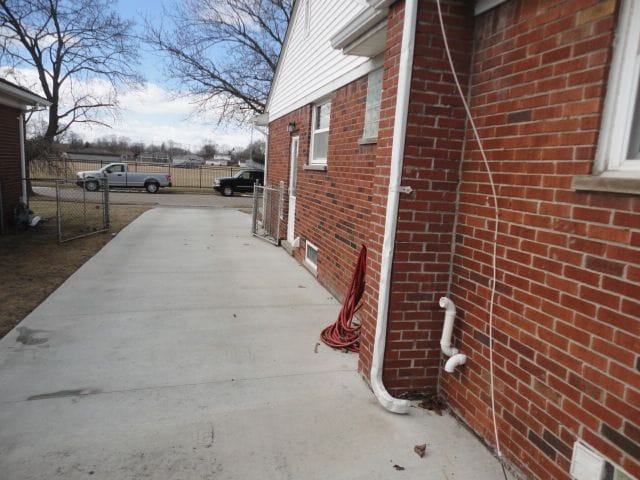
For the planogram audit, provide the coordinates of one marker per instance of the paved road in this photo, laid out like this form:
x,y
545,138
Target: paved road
x,y
165,197
186,349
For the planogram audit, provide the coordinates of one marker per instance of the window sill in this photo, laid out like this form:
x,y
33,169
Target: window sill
x,y
609,184
368,141
319,168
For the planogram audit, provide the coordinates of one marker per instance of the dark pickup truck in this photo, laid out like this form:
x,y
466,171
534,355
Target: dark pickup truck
x,y
242,182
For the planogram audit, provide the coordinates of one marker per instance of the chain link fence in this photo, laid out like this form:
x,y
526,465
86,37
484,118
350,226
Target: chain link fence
x,y
54,207
188,176
80,212
268,207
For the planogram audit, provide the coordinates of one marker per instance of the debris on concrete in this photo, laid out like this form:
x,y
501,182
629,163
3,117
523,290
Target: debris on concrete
x,y
420,449
398,467
434,404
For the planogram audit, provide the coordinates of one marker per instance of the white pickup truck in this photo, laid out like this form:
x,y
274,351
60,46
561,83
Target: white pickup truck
x,y
119,176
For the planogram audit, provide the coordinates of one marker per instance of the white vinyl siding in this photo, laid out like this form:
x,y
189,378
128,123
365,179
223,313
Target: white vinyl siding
x,y
308,62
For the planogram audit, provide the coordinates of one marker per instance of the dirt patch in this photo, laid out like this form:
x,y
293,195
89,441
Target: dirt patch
x,y
33,264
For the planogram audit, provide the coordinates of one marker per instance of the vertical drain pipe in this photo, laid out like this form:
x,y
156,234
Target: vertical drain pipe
x,y
23,162
392,404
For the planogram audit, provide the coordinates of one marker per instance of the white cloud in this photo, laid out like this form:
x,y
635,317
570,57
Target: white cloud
x,y
149,115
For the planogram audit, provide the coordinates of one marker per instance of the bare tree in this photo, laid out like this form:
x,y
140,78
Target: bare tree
x,y
81,49
224,51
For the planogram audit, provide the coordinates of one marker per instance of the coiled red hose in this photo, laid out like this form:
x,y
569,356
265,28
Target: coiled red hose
x,y
343,334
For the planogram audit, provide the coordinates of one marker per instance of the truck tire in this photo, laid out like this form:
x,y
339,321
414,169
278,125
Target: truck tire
x,y
91,186
152,187
227,191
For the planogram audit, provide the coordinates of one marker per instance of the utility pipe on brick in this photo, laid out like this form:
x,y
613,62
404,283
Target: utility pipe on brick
x,y
392,404
456,358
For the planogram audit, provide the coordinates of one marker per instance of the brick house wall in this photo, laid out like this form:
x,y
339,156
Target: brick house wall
x,y
566,313
433,146
9,160
333,206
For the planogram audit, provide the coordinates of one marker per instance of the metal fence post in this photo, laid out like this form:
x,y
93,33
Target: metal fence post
x,y
105,208
280,209
58,212
254,213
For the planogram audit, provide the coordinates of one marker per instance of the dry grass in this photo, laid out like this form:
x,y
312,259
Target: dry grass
x,y
33,264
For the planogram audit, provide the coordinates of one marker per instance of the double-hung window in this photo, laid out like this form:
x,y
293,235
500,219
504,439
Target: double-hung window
x,y
619,145
320,133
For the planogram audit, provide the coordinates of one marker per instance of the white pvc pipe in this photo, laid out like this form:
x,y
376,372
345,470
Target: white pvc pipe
x,y
447,329
392,404
455,358
454,361
23,162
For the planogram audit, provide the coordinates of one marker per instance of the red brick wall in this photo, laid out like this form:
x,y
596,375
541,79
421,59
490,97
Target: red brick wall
x,y
435,134
567,314
332,206
380,186
9,160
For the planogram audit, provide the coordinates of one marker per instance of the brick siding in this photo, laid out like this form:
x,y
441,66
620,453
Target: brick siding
x,y
333,206
422,256
9,160
566,311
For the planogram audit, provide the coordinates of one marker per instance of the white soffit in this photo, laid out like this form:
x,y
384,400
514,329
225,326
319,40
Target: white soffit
x,y
484,5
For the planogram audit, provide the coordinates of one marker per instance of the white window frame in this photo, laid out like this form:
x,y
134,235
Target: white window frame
x,y
367,117
315,131
619,109
313,266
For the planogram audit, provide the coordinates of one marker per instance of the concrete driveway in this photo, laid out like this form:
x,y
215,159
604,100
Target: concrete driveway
x,y
185,350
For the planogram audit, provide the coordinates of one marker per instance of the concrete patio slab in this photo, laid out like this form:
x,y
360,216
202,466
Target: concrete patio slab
x,y
186,349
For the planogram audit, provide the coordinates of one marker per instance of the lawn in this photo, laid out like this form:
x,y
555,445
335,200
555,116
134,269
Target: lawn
x,y
33,264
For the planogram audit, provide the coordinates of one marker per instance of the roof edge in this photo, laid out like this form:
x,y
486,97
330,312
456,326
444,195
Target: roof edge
x,y
358,27
22,94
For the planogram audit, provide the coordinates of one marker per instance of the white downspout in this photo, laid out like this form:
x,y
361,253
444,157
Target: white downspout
x,y
392,404
23,162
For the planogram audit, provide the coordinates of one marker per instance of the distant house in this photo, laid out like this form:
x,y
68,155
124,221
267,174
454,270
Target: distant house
x,y
14,101
189,160
102,158
220,159
538,246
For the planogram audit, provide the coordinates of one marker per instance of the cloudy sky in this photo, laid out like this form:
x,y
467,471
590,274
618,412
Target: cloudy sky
x,y
153,114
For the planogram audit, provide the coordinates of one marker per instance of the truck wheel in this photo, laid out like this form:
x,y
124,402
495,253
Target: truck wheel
x,y
91,186
227,191
152,187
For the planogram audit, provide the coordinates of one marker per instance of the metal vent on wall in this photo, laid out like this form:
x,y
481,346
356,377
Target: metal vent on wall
x,y
587,464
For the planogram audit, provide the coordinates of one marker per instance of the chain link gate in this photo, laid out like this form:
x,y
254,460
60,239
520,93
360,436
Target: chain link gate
x,y
268,207
79,212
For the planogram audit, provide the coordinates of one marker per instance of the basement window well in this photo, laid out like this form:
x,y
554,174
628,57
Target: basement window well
x,y
311,256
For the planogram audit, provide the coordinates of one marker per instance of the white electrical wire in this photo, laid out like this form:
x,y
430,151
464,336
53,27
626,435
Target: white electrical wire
x,y
495,232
